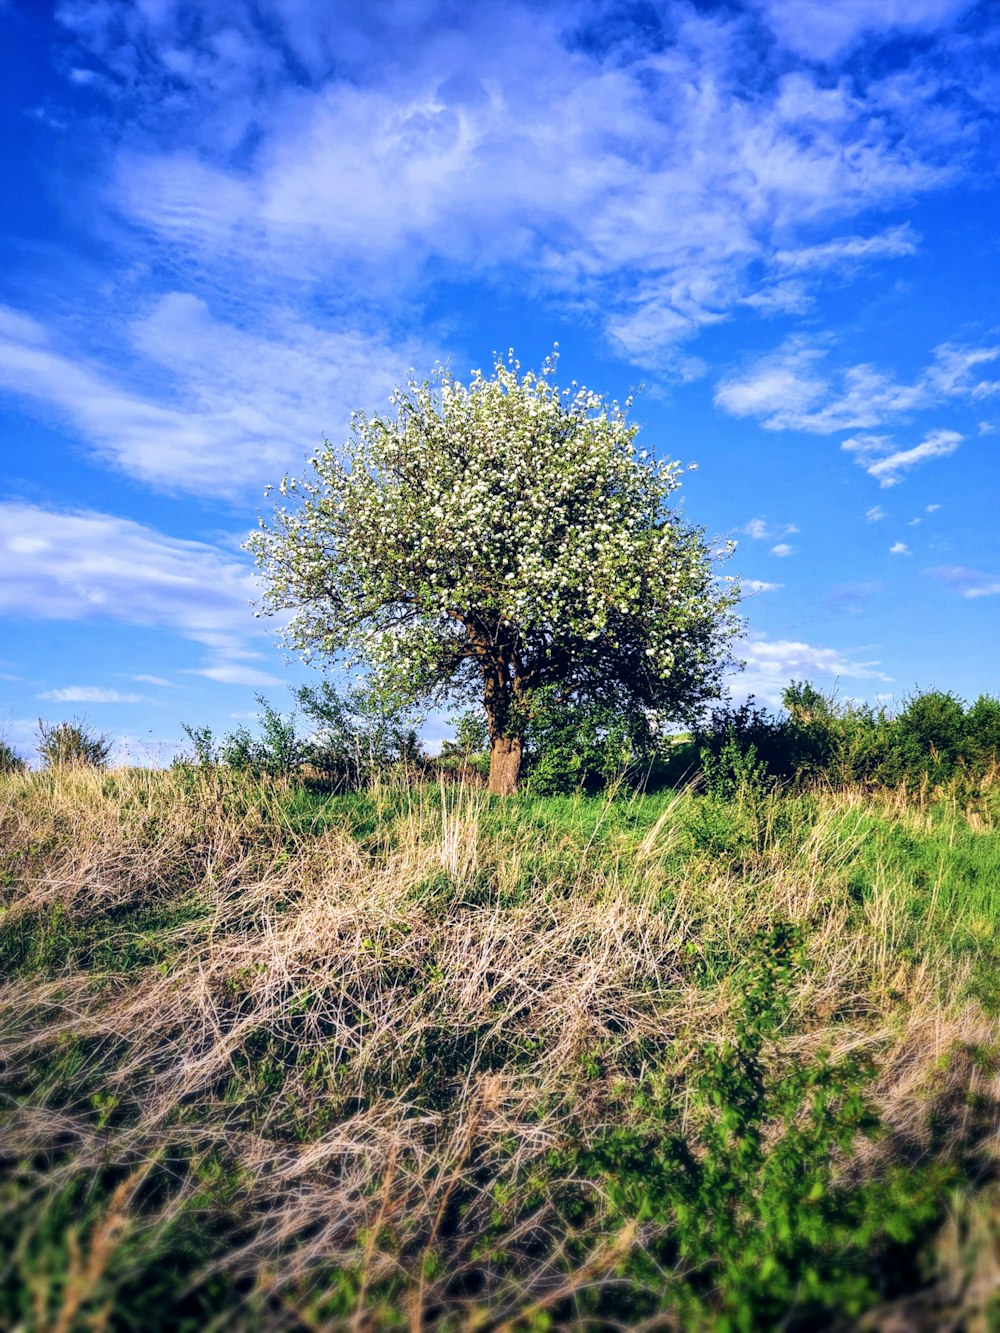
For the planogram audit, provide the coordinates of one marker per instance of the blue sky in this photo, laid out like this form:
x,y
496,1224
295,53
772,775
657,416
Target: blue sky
x,y
225,225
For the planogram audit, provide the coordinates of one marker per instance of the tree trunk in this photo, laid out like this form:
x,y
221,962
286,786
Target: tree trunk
x,y
505,765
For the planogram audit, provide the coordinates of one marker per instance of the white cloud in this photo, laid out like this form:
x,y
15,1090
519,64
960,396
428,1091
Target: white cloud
x,y
85,565
954,372
782,549
821,30
221,410
500,138
763,531
153,680
876,455
931,509
235,673
967,582
850,250
791,389
90,694
754,586
771,665
899,548
875,514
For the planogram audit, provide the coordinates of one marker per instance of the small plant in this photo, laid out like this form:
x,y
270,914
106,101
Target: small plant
x,y
72,745
734,772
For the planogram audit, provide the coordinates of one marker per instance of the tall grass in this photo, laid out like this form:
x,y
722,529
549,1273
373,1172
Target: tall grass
x,y
418,1057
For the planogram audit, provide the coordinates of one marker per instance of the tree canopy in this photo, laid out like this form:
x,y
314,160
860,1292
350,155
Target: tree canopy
x,y
494,540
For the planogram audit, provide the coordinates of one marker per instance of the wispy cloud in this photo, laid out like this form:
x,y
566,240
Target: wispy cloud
x,y
875,453
821,31
782,549
770,665
792,389
850,251
221,409
90,694
236,673
754,586
85,565
762,530
966,582
875,514
408,142
850,599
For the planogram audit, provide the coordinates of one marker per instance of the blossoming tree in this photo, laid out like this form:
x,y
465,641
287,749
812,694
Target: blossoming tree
x,y
500,540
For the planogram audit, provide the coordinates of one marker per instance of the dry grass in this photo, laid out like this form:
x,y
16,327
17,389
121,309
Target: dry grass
x,y
365,1044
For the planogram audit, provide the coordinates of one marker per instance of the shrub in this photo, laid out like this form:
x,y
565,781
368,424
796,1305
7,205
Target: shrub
x,y
982,723
583,745
933,739
356,734
930,735
10,760
469,751
72,744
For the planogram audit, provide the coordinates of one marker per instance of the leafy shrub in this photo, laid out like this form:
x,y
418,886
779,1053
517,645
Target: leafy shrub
x,y
469,751
72,744
734,771
356,734
10,760
582,745
934,739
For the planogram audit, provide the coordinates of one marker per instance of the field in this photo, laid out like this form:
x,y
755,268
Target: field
x,y
419,1057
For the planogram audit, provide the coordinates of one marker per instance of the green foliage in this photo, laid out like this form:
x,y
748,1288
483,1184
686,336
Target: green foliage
x,y
72,744
733,770
202,743
10,760
585,744
357,734
276,750
933,739
744,1195
468,752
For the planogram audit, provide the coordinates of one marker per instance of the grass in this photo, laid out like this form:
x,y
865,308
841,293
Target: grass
x,y
417,1057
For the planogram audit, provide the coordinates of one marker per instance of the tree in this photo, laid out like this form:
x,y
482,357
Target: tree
x,y
495,539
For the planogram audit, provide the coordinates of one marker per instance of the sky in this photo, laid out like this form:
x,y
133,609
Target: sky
x,y
226,225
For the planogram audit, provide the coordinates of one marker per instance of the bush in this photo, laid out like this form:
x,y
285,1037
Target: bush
x,y
10,760
933,739
469,752
356,735
72,744
583,745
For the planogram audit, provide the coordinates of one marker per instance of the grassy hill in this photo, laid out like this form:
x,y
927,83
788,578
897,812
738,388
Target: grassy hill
x,y
420,1057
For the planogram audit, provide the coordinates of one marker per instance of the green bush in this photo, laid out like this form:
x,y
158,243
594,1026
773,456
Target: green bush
x,y
933,739
10,760
72,744
583,745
